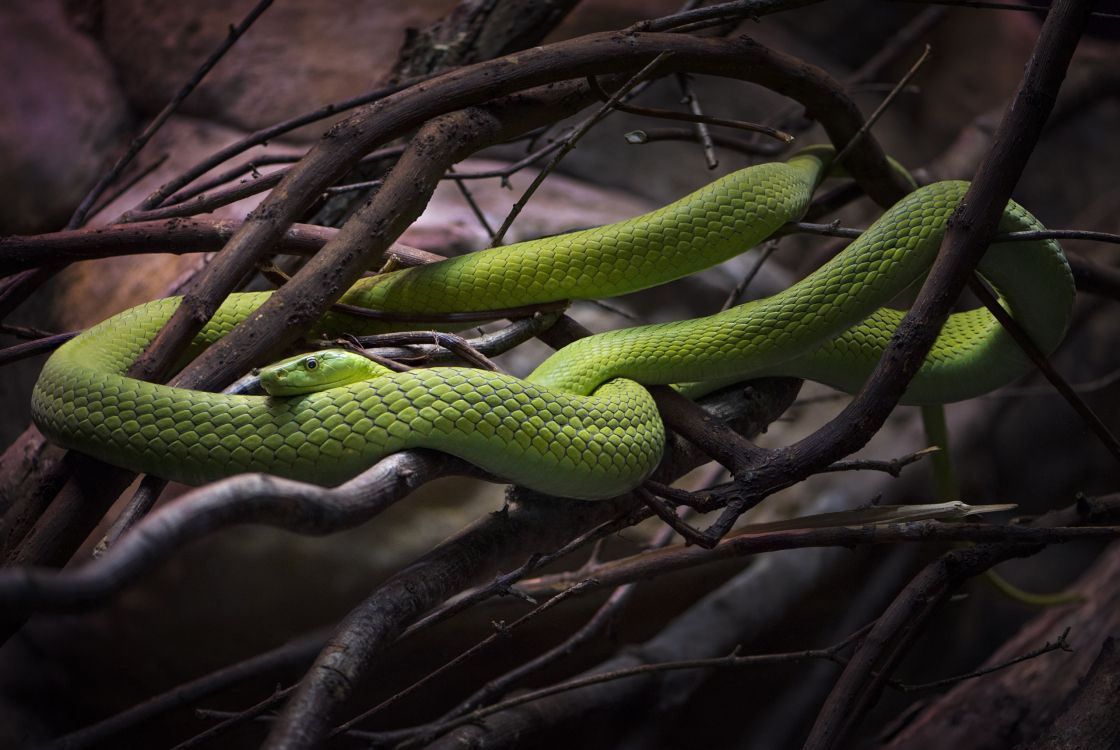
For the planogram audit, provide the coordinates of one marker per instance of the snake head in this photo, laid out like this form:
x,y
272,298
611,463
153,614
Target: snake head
x,y
310,373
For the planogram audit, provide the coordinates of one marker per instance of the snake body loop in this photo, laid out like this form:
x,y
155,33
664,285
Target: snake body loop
x,y
581,425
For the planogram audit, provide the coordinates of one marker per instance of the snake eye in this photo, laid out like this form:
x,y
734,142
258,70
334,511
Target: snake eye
x,y
310,363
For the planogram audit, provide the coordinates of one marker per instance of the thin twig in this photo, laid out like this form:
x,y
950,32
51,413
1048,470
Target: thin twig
x,y
671,519
893,466
501,631
764,252
883,105
295,652
571,141
206,203
898,43
250,167
1061,644
34,348
141,140
459,177
732,661
653,135
28,333
228,723
261,137
510,169
615,102
110,196
444,349
1089,386
351,187
701,128
141,503
1042,362
614,310
475,208
472,316
720,13
610,609
648,565
453,343
833,229
983,5
194,201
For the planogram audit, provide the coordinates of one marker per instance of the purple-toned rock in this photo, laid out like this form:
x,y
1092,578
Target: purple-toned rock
x,y
62,116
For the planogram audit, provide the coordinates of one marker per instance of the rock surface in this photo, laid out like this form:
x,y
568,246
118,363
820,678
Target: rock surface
x,y
62,117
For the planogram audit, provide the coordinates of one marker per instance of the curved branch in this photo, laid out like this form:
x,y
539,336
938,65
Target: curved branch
x,y
594,54
529,526
874,661
969,231
248,498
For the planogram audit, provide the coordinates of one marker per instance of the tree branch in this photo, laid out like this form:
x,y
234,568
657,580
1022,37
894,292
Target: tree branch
x,y
970,229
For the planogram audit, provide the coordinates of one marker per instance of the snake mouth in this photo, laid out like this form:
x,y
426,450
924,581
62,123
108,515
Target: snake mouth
x,y
282,390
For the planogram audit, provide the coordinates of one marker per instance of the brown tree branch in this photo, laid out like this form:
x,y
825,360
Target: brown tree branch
x,y
389,117
863,679
648,565
970,229
178,236
595,54
235,33
249,498
527,527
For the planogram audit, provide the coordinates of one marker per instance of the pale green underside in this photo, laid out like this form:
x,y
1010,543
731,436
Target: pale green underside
x,y
580,425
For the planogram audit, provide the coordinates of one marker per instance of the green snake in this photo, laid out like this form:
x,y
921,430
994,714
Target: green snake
x,y
582,425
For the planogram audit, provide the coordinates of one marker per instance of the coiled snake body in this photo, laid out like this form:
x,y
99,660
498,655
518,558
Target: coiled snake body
x,y
581,425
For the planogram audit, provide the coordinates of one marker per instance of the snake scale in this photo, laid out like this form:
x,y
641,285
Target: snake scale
x,y
581,425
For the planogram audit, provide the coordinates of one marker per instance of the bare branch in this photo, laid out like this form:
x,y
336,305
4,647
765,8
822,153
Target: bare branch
x,y
138,143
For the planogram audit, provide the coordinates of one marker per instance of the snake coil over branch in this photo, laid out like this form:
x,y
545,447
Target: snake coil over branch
x,y
582,425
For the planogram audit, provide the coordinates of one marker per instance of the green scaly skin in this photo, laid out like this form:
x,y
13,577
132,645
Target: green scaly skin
x,y
581,425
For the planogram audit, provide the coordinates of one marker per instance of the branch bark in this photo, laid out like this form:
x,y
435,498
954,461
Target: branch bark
x,y
591,55
1014,708
18,253
529,526
970,229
